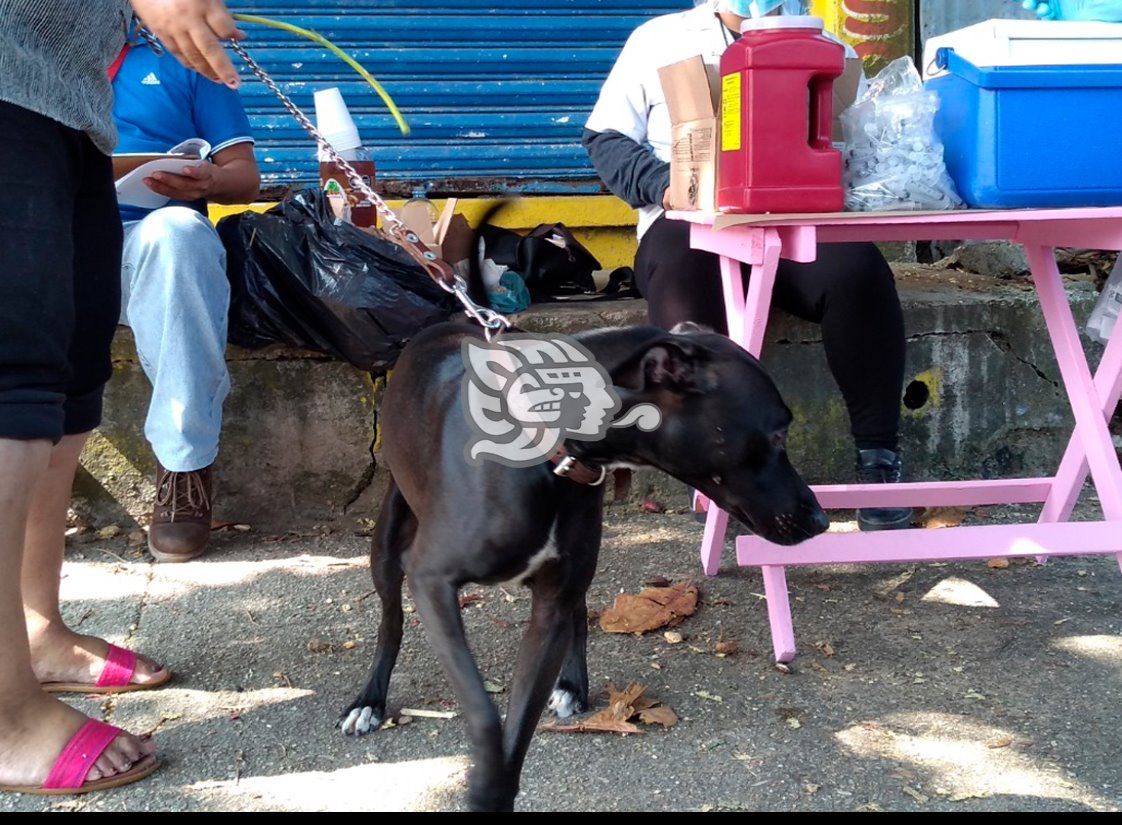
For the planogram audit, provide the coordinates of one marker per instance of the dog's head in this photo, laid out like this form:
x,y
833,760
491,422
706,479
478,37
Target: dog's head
x,y
723,430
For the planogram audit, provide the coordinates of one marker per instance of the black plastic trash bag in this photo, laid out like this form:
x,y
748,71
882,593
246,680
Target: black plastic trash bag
x,y
300,277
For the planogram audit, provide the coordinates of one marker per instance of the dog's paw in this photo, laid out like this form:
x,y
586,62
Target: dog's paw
x,y
565,703
359,721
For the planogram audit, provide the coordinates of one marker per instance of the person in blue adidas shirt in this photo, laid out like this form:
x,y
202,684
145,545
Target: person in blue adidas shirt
x,y
174,291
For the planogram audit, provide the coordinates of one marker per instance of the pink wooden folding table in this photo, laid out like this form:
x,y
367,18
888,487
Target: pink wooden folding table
x,y
761,241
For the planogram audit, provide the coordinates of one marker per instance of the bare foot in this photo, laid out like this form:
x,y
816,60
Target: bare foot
x,y
59,654
35,729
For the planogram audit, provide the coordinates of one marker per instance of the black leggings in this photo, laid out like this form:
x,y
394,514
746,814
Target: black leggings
x,y
60,277
849,290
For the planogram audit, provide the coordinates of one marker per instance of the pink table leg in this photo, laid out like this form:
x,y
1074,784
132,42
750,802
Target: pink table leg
x,y
713,541
761,284
1074,467
747,317
779,612
733,287
756,309
1092,401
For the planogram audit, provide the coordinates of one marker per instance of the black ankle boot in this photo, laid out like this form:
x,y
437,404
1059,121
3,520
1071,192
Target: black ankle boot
x,y
879,466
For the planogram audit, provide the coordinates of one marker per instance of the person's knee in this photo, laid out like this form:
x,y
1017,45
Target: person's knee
x,y
180,229
859,271
174,256
679,283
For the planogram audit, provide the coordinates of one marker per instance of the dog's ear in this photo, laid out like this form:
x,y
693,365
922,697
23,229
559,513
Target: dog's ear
x,y
675,365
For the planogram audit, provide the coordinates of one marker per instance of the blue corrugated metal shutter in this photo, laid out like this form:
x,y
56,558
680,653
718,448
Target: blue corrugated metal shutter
x,y
496,92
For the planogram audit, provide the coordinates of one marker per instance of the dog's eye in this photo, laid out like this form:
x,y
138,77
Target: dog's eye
x,y
779,439
718,480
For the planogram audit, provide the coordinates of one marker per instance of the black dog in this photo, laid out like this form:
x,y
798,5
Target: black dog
x,y
447,521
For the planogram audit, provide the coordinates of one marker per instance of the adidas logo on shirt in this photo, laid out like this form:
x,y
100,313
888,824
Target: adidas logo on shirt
x,y
150,79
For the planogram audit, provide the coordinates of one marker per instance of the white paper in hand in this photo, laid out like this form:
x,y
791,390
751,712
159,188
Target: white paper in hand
x,y
133,191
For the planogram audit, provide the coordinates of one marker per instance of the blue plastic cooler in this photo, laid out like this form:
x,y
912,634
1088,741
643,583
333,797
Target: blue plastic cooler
x,y
1030,136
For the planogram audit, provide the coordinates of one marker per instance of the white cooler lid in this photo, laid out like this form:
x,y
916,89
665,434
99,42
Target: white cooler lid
x,y
1029,43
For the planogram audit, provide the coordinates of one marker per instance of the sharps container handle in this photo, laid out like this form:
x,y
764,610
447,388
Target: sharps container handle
x,y
821,106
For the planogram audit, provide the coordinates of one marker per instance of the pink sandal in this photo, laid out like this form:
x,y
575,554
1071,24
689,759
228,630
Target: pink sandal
x,y
68,776
116,676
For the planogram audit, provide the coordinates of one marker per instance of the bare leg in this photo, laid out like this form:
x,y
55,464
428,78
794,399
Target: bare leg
x,y
58,654
34,727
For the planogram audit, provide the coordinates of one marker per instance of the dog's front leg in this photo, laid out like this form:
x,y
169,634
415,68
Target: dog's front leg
x,y
580,537
395,530
436,598
547,640
570,695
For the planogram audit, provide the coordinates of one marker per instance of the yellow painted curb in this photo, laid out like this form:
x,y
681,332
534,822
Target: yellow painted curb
x,y
603,223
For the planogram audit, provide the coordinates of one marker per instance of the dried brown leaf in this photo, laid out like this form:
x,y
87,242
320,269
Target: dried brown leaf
x,y
997,564
661,715
936,517
653,608
727,648
623,705
1003,742
592,726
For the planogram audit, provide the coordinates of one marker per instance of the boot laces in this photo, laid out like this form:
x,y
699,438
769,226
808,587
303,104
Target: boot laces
x,y
183,493
879,473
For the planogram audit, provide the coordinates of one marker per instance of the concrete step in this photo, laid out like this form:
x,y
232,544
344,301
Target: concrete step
x,y
983,399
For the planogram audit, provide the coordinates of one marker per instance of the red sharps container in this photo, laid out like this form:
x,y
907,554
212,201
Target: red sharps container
x,y
777,85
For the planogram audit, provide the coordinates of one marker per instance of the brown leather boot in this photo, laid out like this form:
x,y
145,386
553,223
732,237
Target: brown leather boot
x,y
181,516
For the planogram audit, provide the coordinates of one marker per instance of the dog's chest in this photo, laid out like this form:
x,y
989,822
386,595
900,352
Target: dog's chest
x,y
547,553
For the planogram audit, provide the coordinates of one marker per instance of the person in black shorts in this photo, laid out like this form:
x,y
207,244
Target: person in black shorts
x,y
60,269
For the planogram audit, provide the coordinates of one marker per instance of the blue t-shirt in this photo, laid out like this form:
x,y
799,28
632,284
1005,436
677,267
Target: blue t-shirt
x,y
159,103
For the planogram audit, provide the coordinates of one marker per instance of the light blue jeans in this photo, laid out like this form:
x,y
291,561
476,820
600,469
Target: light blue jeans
x,y
175,297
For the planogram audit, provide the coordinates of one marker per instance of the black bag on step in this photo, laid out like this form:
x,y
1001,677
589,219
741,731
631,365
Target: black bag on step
x,y
551,261
300,277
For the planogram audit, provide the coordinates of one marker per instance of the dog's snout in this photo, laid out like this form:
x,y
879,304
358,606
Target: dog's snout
x,y
819,521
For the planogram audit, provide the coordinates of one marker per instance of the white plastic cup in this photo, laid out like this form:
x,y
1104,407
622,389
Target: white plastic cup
x,y
334,120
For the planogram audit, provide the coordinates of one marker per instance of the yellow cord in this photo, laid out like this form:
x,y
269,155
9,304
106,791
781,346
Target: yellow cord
x,y
331,47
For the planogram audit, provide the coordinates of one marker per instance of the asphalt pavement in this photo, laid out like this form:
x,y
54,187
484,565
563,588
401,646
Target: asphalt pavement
x,y
936,686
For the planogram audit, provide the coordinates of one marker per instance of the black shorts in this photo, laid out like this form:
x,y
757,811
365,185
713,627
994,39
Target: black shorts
x,y
60,277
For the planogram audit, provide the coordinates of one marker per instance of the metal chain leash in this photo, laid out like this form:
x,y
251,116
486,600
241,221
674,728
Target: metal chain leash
x,y
395,230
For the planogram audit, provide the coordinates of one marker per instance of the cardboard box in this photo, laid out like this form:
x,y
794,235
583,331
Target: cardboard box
x,y
845,92
447,234
692,91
